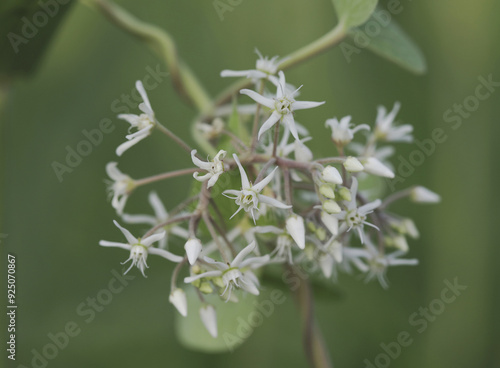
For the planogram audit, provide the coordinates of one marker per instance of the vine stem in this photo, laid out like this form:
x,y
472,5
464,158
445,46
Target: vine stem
x,y
167,175
314,345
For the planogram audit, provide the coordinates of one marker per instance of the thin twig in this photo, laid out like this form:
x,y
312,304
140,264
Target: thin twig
x,y
168,175
168,222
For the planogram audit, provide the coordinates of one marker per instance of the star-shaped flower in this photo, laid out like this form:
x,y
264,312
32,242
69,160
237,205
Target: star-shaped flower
x,y
249,196
161,216
143,122
213,168
282,106
235,274
120,187
265,67
140,248
343,131
354,216
385,128
378,263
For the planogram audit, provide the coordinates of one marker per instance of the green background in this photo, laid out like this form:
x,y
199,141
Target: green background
x,y
54,227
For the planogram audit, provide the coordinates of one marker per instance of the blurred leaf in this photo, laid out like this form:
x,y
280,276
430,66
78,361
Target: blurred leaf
x,y
354,12
395,45
232,323
27,27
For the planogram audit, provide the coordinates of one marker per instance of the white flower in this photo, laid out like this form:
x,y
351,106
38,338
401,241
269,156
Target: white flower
x,y
249,196
120,187
211,131
160,217
354,216
342,133
140,248
373,166
385,130
178,298
233,274
143,123
282,106
331,175
295,227
352,164
301,151
332,255
423,195
265,67
213,168
209,318
193,248
378,263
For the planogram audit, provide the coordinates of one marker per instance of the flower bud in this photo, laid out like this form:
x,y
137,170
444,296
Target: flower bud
x,y
209,318
302,152
326,264
206,288
178,299
345,194
331,207
331,222
399,242
331,175
327,191
352,164
193,249
375,167
410,228
295,227
424,195
321,233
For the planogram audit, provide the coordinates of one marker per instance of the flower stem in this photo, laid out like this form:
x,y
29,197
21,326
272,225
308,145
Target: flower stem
x,y
168,175
163,44
255,128
174,137
168,222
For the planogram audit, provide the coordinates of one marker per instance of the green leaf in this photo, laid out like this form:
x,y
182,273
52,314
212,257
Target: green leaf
x,y
391,43
233,323
25,39
354,12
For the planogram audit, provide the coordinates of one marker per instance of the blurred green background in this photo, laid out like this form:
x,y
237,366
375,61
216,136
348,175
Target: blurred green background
x,y
54,227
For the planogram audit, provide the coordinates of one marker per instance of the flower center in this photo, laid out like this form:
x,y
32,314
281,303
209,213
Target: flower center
x,y
231,275
144,122
248,200
353,218
284,105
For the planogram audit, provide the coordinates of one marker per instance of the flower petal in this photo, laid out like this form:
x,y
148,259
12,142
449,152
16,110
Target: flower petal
x,y
243,254
268,102
273,202
263,183
166,254
273,119
244,178
130,238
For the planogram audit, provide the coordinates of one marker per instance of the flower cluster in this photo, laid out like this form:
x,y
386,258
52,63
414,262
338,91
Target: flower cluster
x,y
280,210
